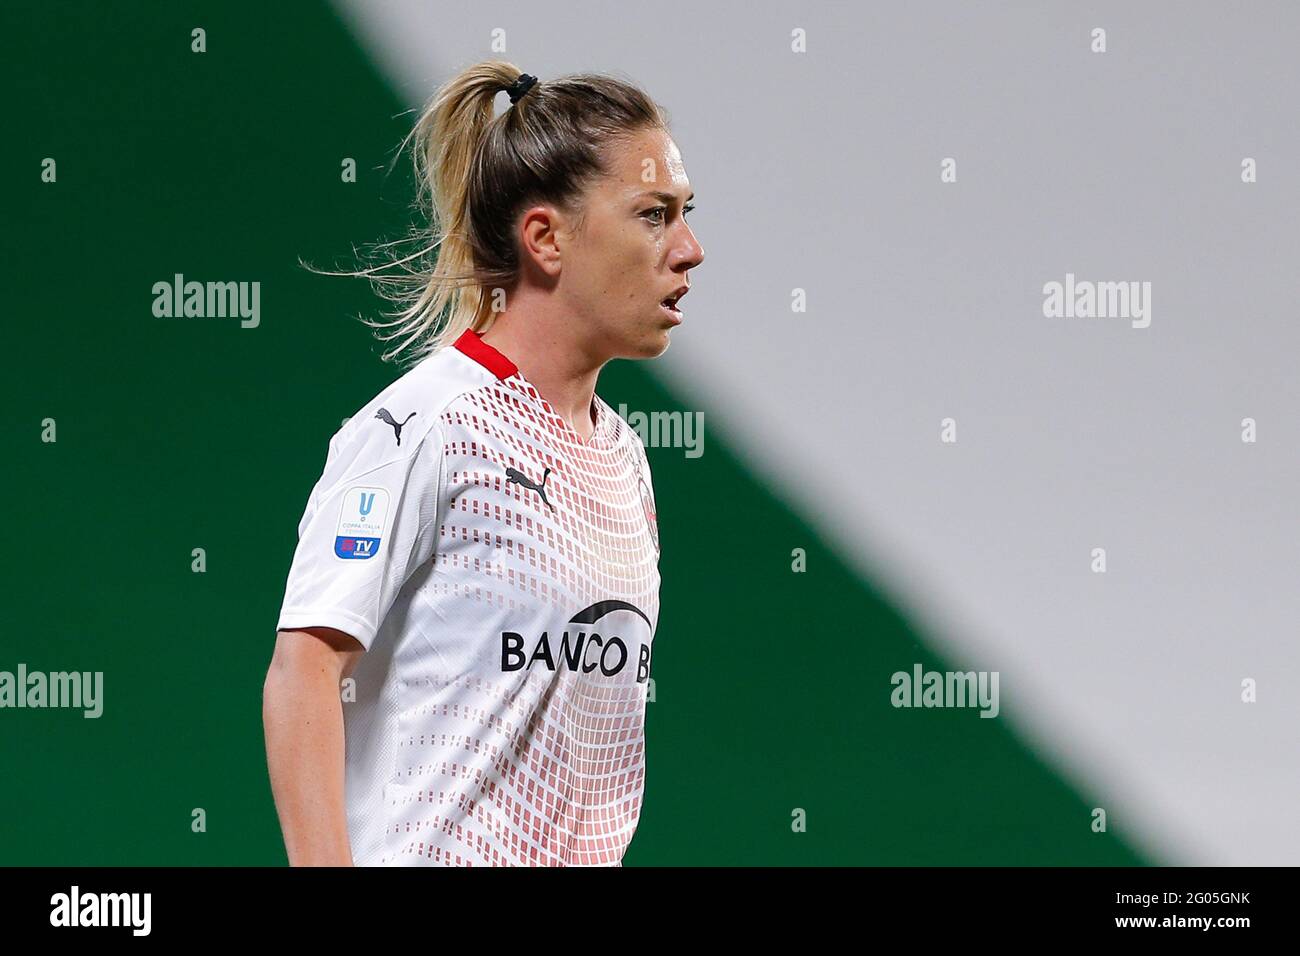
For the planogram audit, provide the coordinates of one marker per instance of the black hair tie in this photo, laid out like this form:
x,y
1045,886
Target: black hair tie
x,y
519,87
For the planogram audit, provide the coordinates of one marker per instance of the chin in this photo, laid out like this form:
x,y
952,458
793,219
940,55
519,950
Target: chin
x,y
659,345
648,346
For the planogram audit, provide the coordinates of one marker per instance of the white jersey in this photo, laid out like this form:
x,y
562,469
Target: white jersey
x,y
503,576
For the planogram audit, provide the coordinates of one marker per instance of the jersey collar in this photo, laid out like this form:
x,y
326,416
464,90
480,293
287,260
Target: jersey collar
x,y
472,344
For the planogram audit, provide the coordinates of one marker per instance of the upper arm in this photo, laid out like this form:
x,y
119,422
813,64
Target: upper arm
x,y
316,648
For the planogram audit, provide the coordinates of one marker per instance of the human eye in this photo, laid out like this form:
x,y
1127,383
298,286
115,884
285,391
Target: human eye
x,y
657,209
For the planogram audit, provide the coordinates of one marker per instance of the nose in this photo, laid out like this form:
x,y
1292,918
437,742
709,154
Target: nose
x,y
689,253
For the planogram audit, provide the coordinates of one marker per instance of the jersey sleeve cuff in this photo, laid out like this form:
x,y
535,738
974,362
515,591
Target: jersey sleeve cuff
x,y
296,618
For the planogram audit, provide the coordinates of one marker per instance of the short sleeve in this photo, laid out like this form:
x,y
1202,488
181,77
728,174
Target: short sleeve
x,y
369,524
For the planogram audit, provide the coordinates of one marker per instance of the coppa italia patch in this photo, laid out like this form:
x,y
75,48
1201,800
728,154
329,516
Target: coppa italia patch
x,y
361,523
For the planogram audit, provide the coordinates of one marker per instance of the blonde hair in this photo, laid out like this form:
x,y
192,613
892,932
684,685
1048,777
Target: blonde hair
x,y
475,172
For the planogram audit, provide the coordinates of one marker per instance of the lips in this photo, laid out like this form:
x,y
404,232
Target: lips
x,y
670,301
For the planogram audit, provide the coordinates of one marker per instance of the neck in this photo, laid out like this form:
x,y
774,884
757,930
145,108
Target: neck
x,y
552,357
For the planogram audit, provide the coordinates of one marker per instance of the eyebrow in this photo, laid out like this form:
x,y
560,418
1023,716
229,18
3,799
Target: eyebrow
x,y
664,197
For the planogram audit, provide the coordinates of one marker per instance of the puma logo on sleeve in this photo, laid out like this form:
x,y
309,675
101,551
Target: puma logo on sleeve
x,y
383,415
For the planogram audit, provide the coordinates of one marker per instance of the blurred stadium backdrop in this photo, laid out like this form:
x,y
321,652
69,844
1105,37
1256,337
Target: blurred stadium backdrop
x,y
817,171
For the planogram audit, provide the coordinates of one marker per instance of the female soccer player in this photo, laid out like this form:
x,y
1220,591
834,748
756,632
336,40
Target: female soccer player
x,y
480,554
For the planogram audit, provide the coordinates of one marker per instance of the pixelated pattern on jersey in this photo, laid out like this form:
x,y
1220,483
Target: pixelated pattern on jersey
x,y
544,767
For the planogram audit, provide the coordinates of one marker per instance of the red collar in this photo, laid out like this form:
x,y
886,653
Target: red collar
x,y
472,344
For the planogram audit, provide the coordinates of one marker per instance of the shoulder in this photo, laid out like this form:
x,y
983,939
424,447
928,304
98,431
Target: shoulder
x,y
623,436
400,421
